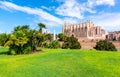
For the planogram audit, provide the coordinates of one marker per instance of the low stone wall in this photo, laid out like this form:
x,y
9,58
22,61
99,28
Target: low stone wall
x,y
117,45
90,45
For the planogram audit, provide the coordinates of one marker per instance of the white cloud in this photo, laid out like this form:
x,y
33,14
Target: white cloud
x,y
92,3
35,11
109,21
48,8
72,8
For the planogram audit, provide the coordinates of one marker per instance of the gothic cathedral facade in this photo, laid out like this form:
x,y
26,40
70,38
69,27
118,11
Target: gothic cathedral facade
x,y
84,31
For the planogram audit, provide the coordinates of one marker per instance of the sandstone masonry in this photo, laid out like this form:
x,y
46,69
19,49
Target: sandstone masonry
x,y
86,31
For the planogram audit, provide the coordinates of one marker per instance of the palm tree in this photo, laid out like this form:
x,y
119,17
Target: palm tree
x,y
33,42
41,26
23,28
17,41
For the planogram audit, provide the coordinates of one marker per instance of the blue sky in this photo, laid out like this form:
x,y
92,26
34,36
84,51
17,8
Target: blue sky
x,y
54,13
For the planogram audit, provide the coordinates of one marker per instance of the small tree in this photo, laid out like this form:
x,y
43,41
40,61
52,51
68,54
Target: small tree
x,y
22,40
105,45
17,42
61,37
54,44
72,43
45,44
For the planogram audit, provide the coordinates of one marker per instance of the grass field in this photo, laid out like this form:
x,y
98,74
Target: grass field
x,y
61,63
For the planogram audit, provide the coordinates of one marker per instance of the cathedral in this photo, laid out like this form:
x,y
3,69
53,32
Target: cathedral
x,y
85,31
114,36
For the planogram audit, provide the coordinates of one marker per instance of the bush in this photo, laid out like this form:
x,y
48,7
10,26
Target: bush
x,y
72,43
105,45
54,44
27,50
45,44
14,50
65,45
61,37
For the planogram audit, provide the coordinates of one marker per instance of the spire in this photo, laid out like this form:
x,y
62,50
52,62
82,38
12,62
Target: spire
x,y
54,35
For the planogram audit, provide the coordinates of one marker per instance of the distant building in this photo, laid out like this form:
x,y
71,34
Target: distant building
x,y
114,36
84,31
46,31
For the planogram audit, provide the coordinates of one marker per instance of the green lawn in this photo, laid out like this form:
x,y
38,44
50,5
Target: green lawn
x,y
61,63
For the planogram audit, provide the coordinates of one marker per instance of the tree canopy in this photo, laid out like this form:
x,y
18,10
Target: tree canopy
x,y
41,26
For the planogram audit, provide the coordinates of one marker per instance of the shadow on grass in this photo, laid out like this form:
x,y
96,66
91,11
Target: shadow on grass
x,y
4,50
4,53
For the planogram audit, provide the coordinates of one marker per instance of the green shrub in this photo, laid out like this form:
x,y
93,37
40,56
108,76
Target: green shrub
x,y
105,45
14,50
72,43
65,45
54,44
27,50
61,37
45,44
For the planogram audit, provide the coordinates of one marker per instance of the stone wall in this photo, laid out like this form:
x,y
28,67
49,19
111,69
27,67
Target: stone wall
x,y
90,45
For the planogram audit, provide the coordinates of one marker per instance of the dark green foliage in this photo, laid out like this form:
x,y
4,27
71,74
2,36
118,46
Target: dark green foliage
x,y
40,39
61,37
17,42
23,40
54,44
13,49
72,43
41,26
32,36
105,45
66,45
3,38
48,37
45,44
27,49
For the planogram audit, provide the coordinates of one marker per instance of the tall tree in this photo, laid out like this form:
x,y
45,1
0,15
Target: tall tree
x,y
41,26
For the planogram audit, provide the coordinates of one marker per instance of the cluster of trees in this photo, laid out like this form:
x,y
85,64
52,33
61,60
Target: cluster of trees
x,y
24,40
66,42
